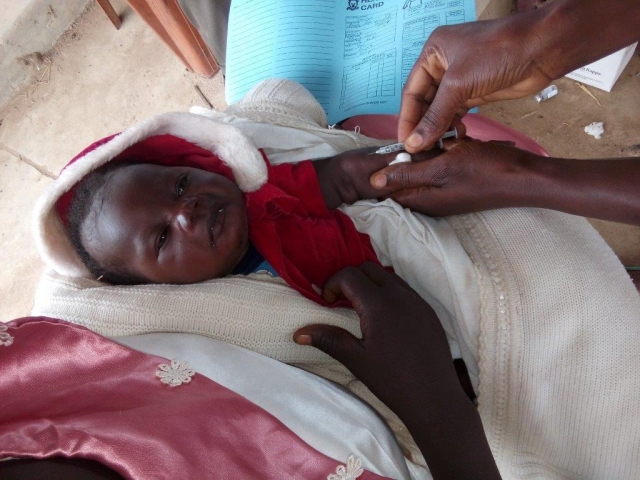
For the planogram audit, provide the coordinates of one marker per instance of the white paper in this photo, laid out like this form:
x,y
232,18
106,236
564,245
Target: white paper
x,y
604,73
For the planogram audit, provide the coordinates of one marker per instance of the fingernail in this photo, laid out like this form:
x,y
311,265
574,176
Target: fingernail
x,y
303,340
414,141
379,181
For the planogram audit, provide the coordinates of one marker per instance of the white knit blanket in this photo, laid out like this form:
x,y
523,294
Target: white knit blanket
x,y
557,324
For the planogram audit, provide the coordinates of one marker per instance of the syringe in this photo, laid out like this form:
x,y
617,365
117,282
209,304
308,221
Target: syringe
x,y
396,147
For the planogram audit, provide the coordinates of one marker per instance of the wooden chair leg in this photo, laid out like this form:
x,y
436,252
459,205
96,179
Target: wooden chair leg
x,y
142,8
168,21
111,13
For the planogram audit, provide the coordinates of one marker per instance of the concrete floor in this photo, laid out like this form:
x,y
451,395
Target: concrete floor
x,y
26,27
98,80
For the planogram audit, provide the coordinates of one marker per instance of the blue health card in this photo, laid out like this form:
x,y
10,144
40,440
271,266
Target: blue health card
x,y
354,56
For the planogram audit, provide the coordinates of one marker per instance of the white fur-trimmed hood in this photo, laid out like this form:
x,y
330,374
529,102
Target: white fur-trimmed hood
x,y
225,141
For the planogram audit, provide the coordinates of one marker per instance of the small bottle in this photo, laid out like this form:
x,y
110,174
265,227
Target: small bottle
x,y
549,92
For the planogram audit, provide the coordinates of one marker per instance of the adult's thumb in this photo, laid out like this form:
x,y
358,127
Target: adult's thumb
x,y
436,119
403,176
334,341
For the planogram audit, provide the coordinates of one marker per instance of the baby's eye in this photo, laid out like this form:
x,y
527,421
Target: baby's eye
x,y
181,185
162,238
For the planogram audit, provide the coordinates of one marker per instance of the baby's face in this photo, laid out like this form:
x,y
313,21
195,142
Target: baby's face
x,y
168,224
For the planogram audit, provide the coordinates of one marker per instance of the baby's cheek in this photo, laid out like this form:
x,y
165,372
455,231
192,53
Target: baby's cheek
x,y
238,236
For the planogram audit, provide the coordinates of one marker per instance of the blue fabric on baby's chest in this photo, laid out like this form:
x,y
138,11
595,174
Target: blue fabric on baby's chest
x,y
253,262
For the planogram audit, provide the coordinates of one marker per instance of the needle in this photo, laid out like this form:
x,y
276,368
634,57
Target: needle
x,y
396,147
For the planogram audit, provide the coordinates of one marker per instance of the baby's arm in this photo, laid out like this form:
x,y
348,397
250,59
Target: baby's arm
x,y
345,177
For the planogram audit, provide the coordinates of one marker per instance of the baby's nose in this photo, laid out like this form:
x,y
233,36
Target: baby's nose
x,y
184,221
186,213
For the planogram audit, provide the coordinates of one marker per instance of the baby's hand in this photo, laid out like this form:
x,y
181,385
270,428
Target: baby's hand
x,y
345,177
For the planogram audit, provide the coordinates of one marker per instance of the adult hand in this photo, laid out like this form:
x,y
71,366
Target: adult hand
x,y
404,359
402,340
471,176
463,66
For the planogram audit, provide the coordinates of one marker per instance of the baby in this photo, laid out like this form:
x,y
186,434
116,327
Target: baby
x,y
181,198
134,223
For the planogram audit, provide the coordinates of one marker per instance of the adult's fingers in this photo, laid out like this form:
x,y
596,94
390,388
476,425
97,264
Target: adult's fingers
x,y
377,274
350,283
507,143
381,276
405,175
415,95
417,199
437,118
334,341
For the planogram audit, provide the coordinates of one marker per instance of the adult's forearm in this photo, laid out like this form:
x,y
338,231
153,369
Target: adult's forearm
x,y
604,189
572,33
453,441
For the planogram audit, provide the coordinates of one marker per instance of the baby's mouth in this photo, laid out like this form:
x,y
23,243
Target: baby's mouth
x,y
216,221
